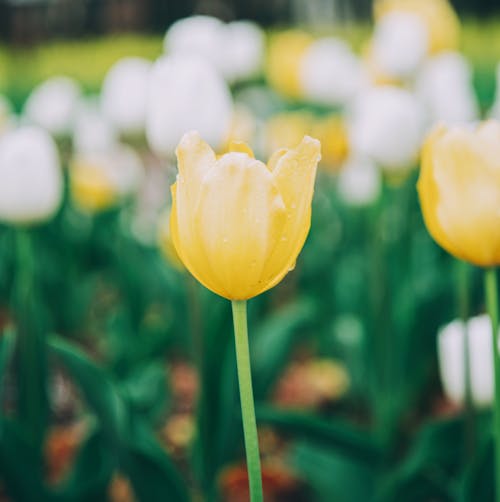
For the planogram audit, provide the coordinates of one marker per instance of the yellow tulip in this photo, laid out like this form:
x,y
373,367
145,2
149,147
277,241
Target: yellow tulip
x,y
438,15
91,188
165,242
459,190
237,224
283,61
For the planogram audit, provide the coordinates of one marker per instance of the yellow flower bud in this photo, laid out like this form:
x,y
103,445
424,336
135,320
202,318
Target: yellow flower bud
x,y
459,189
237,224
284,58
91,188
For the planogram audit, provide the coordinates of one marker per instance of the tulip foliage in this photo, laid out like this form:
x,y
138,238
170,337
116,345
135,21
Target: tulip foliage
x,y
123,233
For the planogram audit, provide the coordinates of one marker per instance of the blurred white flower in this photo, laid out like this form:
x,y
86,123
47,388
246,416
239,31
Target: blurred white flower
x,y
445,87
124,94
53,105
196,36
330,73
386,125
242,50
400,44
451,360
92,131
235,49
359,182
31,183
186,93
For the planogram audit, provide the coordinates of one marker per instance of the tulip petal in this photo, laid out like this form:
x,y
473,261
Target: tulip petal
x,y
241,147
240,216
462,175
194,158
294,175
186,241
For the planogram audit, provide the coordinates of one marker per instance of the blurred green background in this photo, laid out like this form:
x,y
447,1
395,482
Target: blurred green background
x,y
138,399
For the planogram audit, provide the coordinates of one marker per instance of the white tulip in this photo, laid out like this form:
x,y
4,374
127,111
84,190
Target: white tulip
x,y
31,184
124,94
53,105
386,125
359,182
400,44
451,360
196,36
445,88
92,132
330,73
235,49
186,93
242,50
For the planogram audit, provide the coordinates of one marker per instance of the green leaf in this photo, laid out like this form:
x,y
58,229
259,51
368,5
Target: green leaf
x,y
272,342
7,343
149,468
339,436
479,479
91,474
146,390
96,387
432,465
20,468
332,477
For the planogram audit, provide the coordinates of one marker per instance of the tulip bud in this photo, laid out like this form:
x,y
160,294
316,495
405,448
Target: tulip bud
x,y
237,224
92,131
53,105
31,187
445,88
186,93
124,94
452,360
330,73
459,190
235,49
443,25
386,125
399,44
284,57
100,180
359,182
196,36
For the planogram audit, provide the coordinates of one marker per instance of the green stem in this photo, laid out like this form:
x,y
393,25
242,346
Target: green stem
x,y
32,395
246,397
462,271
492,304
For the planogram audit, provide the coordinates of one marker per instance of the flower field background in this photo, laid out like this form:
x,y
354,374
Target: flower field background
x,y
130,391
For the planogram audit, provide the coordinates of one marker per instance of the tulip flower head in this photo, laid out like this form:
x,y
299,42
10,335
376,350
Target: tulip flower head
x,y
237,224
124,92
32,183
441,20
459,190
53,105
451,360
